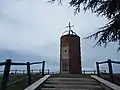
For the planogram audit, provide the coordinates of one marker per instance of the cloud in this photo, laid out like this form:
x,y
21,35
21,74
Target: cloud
x,y
27,57
31,29
92,55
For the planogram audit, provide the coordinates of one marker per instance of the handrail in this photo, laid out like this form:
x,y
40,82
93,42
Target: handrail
x,y
8,63
37,83
2,63
35,63
107,83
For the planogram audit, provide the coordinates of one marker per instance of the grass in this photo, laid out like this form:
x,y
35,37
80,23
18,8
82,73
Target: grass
x,y
116,78
20,81
13,78
0,79
23,83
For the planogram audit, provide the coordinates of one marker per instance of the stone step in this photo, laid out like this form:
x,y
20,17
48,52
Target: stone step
x,y
72,82
97,87
72,79
71,75
67,89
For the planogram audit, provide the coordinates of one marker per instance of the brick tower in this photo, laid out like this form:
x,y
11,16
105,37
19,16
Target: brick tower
x,y
70,53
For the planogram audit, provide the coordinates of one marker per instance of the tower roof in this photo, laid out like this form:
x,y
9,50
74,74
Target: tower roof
x,y
69,31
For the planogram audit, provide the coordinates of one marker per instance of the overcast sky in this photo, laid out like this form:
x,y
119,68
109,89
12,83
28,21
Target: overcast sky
x,y
30,30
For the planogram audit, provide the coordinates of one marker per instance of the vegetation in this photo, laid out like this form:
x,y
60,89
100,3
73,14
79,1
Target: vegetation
x,y
0,79
20,81
107,8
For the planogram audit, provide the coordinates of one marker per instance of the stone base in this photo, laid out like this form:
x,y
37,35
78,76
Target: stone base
x,y
65,72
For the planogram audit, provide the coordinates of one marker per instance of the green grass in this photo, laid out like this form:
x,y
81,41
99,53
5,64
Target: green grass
x,y
13,78
0,79
23,83
20,81
116,78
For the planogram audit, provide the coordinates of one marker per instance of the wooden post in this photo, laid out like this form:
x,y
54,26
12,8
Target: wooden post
x,y
94,71
84,72
43,68
32,71
48,71
23,71
110,69
28,73
40,71
15,71
6,74
97,66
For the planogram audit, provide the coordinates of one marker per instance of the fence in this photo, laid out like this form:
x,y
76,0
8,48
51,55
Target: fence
x,y
6,73
109,62
18,71
92,71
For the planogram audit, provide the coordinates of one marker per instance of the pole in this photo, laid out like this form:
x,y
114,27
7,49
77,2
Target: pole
x,y
110,69
48,71
43,68
28,73
94,71
97,66
6,74
15,71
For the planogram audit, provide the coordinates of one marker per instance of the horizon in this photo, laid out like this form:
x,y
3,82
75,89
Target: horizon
x,y
31,31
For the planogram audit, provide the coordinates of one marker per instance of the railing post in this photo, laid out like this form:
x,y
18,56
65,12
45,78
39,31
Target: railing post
x,y
110,69
28,73
32,71
43,68
98,71
6,74
23,71
40,71
94,71
84,72
15,71
48,71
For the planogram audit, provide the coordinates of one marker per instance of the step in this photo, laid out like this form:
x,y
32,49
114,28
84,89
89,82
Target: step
x,y
71,79
72,86
71,75
72,82
64,89
68,89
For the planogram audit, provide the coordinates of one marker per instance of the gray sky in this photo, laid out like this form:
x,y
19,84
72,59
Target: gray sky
x,y
30,30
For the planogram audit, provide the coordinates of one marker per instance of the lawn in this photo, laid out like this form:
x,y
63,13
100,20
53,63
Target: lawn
x,y
20,81
0,79
116,78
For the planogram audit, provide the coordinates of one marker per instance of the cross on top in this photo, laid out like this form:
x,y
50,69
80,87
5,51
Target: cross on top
x,y
69,27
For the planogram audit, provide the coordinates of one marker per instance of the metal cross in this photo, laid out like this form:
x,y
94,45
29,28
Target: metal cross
x,y
69,26
70,31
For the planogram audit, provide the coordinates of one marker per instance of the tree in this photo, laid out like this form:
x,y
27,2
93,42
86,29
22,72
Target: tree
x,y
108,8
